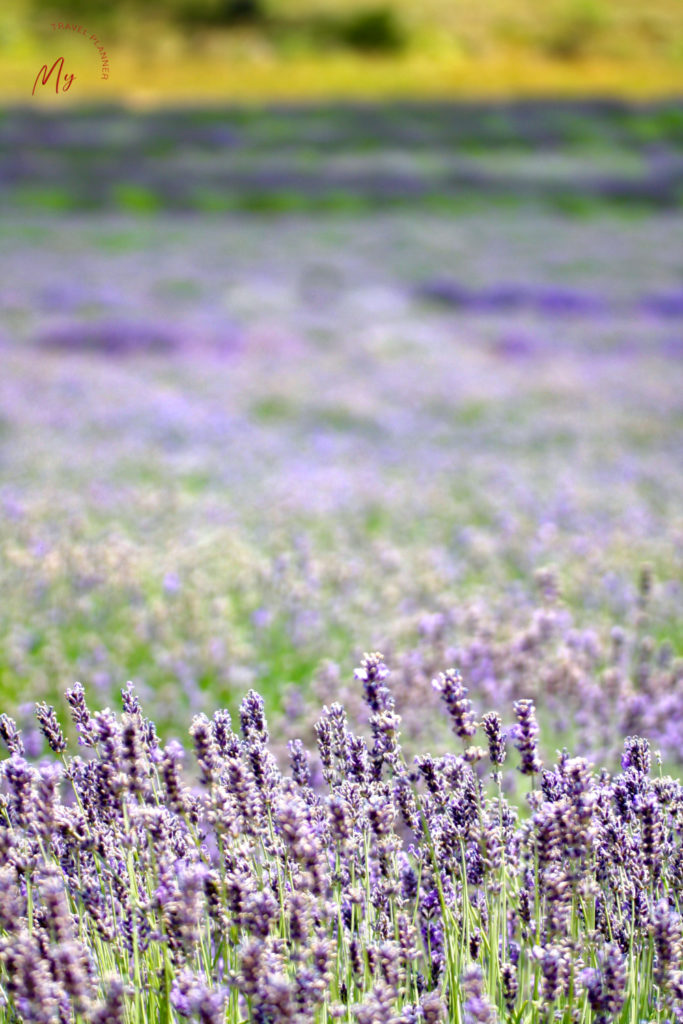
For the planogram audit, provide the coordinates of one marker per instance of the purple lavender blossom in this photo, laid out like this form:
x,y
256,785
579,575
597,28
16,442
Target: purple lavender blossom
x,y
491,724
87,735
10,735
449,686
356,893
252,719
606,984
526,737
476,1008
372,673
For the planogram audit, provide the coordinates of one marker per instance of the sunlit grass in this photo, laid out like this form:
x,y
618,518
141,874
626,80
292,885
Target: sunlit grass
x,y
158,68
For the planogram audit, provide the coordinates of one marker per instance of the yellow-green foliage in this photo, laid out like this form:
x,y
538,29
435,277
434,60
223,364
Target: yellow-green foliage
x,y
294,49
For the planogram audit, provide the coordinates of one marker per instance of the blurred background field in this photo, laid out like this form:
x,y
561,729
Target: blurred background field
x,y
396,368
171,51
281,386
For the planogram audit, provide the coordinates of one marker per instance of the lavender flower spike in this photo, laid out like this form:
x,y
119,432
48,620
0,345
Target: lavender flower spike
x,y
372,673
454,695
526,734
494,733
10,735
50,727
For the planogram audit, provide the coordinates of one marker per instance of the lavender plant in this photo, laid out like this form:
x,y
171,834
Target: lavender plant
x,y
357,884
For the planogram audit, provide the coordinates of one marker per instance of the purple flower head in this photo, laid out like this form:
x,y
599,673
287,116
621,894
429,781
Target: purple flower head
x,y
75,697
47,794
224,738
636,755
261,912
50,727
191,997
108,733
476,1009
491,724
592,982
323,732
525,737
205,749
433,1008
134,757
358,765
454,695
430,904
336,715
174,791
651,834
112,1010
407,805
510,985
668,940
253,719
19,776
606,984
11,735
409,883
129,699
372,673
381,813
298,756
385,726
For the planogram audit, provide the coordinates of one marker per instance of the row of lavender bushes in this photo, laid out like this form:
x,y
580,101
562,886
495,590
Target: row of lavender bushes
x,y
358,885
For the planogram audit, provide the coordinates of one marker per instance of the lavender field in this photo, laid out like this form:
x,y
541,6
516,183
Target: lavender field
x,y
240,448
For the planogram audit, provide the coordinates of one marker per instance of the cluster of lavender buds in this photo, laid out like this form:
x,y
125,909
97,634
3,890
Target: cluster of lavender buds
x,y
141,882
